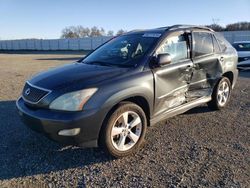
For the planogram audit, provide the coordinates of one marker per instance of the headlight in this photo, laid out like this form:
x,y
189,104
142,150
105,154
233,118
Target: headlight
x,y
73,101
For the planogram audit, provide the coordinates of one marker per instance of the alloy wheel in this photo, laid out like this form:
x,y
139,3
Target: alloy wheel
x,y
223,93
126,131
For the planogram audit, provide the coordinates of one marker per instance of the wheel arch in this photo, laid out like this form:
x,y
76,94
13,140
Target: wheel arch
x,y
138,100
230,76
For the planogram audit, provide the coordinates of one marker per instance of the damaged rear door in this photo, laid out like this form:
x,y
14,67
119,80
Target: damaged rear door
x,y
207,64
172,80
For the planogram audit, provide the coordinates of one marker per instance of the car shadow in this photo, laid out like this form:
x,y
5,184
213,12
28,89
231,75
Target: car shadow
x,y
26,153
198,110
244,73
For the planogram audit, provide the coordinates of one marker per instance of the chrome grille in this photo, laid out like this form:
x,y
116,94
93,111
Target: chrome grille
x,y
33,94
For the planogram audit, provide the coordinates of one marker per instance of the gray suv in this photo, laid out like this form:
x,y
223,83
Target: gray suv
x,y
133,81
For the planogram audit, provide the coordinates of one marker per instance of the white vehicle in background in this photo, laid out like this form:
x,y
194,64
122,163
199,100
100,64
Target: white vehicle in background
x,y
243,49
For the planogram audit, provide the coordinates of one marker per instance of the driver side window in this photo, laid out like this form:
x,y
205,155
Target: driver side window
x,y
176,46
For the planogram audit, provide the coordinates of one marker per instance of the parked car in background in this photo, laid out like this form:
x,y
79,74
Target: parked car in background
x,y
243,49
135,80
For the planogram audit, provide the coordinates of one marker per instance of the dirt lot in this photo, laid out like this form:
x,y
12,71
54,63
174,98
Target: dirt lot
x,y
200,148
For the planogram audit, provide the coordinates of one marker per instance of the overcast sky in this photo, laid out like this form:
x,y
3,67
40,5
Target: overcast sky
x,y
46,18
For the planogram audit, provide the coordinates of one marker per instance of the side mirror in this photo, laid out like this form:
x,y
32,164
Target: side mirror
x,y
164,59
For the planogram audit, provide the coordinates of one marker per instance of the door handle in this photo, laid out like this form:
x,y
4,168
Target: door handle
x,y
188,68
222,59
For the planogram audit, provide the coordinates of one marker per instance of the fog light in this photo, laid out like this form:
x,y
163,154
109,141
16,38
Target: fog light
x,y
69,132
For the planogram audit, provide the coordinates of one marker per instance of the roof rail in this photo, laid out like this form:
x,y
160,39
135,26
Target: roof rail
x,y
188,26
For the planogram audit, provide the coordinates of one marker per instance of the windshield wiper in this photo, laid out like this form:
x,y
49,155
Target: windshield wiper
x,y
97,63
103,63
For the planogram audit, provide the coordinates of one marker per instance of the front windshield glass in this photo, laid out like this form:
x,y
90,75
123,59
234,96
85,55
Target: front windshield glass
x,y
124,50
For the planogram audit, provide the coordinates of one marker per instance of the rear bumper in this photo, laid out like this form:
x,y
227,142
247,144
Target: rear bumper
x,y
50,122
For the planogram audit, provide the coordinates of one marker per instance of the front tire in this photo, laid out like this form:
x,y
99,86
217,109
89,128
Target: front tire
x,y
221,94
124,130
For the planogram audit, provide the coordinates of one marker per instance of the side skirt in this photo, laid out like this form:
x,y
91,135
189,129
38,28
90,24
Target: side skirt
x,y
179,110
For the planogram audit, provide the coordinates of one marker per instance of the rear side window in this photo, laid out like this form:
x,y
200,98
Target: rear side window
x,y
222,42
203,44
216,45
222,45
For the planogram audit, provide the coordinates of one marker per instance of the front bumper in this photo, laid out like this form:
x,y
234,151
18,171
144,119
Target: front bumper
x,y
50,122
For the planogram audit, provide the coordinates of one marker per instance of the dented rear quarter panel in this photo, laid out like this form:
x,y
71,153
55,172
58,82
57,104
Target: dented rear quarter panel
x,y
230,63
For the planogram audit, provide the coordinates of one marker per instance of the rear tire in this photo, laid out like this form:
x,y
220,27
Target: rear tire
x,y
221,94
124,130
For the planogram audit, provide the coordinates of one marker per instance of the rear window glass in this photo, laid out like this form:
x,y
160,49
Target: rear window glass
x,y
203,44
242,46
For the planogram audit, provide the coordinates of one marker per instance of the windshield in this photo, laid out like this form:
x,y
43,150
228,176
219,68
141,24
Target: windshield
x,y
242,46
124,50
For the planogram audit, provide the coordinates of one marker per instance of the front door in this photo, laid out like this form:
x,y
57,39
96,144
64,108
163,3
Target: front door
x,y
172,80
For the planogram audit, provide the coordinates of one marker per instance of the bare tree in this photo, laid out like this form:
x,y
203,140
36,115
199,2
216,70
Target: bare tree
x,y
238,26
95,32
216,27
80,32
215,21
120,32
69,32
110,33
83,31
102,32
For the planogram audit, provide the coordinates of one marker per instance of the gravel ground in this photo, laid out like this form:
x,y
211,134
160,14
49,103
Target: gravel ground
x,y
200,148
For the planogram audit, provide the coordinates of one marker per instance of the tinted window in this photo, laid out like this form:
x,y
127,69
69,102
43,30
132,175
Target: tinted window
x,y
242,46
203,44
216,45
176,46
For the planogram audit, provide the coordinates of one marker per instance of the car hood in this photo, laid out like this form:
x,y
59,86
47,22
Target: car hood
x,y
76,76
